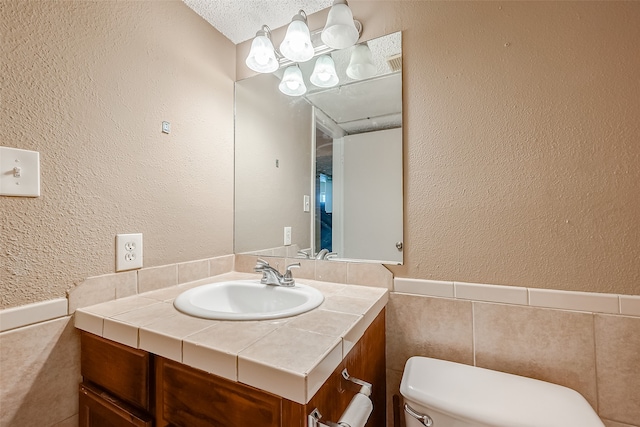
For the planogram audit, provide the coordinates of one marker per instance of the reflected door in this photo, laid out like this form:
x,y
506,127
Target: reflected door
x,y
367,190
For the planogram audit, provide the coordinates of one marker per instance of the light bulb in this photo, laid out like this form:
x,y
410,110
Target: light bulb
x,y
361,65
324,76
324,72
262,57
340,31
292,83
296,45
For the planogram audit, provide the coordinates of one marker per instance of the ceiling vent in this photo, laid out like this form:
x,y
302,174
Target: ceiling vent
x,y
395,62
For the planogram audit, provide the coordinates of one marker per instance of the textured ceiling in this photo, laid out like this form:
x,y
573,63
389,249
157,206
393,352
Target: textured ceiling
x,y
239,20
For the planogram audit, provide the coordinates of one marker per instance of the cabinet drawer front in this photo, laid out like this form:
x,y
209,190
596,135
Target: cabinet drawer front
x,y
122,370
100,410
197,399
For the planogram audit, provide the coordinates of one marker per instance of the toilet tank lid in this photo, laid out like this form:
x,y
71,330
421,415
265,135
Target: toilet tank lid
x,y
493,398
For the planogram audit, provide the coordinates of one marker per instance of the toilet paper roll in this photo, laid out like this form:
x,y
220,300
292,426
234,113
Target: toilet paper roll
x,y
358,411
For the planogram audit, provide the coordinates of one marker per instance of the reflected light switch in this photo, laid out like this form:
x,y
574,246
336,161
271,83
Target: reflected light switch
x,y
19,172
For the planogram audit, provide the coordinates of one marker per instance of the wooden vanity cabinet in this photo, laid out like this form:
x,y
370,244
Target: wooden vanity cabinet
x,y
100,409
117,385
189,397
139,388
124,371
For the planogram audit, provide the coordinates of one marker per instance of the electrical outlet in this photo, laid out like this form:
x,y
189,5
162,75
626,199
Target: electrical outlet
x,y
287,236
128,251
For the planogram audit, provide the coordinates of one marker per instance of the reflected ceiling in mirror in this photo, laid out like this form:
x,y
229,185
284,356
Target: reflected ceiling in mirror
x,y
327,164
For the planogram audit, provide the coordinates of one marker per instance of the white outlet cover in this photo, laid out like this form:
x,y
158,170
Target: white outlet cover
x,y
128,251
287,236
19,172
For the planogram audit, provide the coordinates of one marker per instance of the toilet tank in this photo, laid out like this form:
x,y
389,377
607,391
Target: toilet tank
x,y
463,395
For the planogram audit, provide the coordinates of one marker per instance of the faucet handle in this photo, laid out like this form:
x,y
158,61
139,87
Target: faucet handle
x,y
263,267
290,266
287,277
261,262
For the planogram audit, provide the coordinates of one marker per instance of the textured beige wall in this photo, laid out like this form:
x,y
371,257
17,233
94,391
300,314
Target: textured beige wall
x,y
521,136
522,153
271,126
87,84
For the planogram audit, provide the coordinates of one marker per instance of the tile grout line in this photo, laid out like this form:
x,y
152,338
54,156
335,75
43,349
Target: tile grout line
x,y
595,362
473,331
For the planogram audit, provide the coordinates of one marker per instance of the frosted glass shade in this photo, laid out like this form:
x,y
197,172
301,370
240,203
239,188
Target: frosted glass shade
x,y
324,72
361,65
296,45
340,31
262,57
292,83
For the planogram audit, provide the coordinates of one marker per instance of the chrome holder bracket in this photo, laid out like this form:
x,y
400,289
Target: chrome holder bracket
x,y
313,420
365,387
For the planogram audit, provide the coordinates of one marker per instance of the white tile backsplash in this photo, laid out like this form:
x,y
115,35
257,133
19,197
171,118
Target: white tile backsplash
x,y
432,288
571,300
630,305
549,298
30,314
491,293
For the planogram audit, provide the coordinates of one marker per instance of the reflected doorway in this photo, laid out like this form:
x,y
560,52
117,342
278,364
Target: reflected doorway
x,y
324,192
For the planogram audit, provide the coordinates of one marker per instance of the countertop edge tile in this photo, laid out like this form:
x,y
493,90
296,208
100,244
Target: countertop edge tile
x,y
284,383
89,322
121,332
323,370
210,360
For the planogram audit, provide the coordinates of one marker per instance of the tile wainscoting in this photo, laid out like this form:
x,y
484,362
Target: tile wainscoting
x,y
586,341
590,343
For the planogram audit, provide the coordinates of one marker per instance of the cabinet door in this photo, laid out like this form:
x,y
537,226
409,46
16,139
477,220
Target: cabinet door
x,y
98,409
123,371
192,398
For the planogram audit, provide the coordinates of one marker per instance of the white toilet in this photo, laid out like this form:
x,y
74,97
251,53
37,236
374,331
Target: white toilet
x,y
439,393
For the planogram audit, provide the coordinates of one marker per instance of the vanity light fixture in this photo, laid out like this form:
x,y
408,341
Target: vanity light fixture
x,y
361,65
324,73
340,30
262,56
292,83
296,45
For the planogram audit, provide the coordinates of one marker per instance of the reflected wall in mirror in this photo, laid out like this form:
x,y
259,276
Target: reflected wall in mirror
x,y
340,148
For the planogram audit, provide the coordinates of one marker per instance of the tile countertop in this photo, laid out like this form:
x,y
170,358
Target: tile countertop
x,y
290,357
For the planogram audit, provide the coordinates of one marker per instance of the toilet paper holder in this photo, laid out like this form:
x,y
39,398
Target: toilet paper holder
x,y
313,420
365,387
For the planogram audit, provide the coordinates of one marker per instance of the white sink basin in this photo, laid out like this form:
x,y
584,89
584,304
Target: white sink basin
x,y
247,300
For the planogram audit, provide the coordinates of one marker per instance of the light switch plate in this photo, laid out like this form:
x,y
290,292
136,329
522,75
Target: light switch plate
x,y
19,172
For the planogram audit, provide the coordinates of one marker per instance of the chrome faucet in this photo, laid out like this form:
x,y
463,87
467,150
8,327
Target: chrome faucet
x,y
325,254
322,254
271,276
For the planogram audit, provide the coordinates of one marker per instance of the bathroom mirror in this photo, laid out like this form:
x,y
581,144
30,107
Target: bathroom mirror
x,y
320,175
